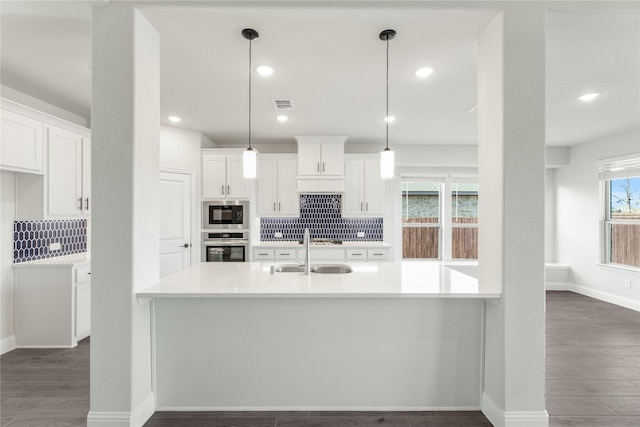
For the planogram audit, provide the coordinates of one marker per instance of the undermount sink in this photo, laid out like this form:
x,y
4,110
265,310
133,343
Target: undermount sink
x,y
289,268
331,269
318,268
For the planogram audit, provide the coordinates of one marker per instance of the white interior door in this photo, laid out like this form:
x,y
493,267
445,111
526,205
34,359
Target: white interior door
x,y
175,222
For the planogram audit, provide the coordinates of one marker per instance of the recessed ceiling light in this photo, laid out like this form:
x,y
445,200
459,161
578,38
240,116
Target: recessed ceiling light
x,y
424,72
264,70
282,118
174,119
389,119
588,97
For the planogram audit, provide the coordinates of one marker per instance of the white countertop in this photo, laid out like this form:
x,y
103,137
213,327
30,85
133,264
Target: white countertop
x,y
59,261
424,279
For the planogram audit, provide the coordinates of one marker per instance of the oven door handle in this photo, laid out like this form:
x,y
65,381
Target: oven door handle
x,y
225,242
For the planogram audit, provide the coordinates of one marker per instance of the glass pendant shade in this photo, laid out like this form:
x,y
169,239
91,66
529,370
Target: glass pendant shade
x,y
387,164
249,163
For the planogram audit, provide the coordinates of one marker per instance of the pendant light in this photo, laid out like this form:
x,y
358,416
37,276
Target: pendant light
x,y
387,157
249,156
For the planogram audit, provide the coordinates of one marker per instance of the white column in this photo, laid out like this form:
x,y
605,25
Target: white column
x,y
125,221
511,157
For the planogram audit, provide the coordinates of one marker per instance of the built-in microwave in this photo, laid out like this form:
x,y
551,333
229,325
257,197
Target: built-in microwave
x,y
225,214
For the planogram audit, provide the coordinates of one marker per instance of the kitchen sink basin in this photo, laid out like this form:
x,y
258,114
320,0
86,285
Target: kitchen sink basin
x,y
331,269
318,268
289,268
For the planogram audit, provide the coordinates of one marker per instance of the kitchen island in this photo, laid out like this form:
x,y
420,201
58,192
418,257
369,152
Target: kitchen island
x,y
388,336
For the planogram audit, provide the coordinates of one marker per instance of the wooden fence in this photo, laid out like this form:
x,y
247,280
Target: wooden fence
x,y
625,244
424,242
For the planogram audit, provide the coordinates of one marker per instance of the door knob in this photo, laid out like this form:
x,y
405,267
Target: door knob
x,y
186,245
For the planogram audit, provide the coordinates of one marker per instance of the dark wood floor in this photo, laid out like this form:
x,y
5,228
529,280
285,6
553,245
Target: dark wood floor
x,y
593,379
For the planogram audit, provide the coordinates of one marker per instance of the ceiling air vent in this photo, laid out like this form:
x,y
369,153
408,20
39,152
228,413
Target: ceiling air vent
x,y
283,104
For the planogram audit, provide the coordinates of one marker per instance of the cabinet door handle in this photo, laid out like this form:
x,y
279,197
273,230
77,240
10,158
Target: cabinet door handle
x,y
279,207
80,206
361,206
318,164
228,190
87,202
322,166
366,206
356,254
222,190
274,206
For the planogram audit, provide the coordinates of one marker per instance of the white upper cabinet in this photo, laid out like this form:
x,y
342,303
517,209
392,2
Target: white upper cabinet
x,y
68,173
21,143
363,187
65,189
277,186
222,176
321,155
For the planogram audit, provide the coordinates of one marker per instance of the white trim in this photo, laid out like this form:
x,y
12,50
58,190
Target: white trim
x,y
602,296
108,419
143,412
7,344
316,408
619,267
557,286
48,346
135,418
500,418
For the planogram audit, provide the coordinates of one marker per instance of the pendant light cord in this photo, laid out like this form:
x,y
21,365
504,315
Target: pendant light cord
x,y
250,40
387,116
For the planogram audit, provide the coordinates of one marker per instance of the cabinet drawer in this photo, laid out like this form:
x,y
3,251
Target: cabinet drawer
x,y
357,254
285,254
263,254
83,274
378,254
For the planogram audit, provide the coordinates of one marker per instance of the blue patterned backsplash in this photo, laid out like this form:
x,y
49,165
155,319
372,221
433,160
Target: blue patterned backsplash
x,y
322,215
31,239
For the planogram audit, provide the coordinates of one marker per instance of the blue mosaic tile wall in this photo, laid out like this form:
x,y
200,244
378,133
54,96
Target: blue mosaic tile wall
x,y
322,215
31,239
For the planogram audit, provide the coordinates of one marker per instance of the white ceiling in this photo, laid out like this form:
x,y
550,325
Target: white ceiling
x,y
329,61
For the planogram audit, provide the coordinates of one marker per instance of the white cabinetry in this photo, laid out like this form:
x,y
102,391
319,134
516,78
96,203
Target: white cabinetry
x,y
68,172
277,186
21,143
53,305
320,163
222,176
64,191
363,187
323,254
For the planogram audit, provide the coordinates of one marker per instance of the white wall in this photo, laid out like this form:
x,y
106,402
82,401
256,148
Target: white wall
x,y
7,216
577,221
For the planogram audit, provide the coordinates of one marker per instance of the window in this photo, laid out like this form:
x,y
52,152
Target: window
x,y
439,218
464,220
620,181
421,218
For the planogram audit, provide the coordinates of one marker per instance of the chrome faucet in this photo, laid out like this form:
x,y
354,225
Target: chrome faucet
x,y
307,256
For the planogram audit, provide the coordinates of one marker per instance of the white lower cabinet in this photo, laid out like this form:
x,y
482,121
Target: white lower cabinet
x,y
53,305
322,254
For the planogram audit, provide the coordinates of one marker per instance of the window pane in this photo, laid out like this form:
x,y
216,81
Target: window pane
x,y
464,210
421,202
625,244
464,202
420,217
624,198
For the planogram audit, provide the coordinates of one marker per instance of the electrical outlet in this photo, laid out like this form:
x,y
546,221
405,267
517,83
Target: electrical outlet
x,y
360,234
277,235
55,246
627,283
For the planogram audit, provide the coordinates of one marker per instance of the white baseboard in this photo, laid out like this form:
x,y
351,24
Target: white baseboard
x,y
315,408
135,418
501,418
7,344
594,293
